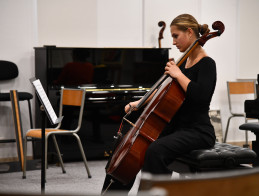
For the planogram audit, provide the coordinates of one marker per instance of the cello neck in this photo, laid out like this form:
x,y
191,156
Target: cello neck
x,y
152,90
187,53
164,77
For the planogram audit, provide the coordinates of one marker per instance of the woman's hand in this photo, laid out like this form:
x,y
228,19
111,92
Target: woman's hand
x,y
131,105
172,69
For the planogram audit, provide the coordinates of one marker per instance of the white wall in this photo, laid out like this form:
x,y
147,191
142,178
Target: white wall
x,y
90,23
119,23
67,23
112,23
165,10
249,39
17,39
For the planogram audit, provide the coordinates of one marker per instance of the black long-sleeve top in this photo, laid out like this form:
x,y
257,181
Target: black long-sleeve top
x,y
194,112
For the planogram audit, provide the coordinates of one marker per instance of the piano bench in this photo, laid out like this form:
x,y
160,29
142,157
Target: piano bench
x,y
221,157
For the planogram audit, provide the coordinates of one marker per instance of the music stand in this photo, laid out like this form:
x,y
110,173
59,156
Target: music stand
x,y
46,109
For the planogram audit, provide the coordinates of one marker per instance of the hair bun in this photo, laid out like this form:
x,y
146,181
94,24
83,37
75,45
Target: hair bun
x,y
203,28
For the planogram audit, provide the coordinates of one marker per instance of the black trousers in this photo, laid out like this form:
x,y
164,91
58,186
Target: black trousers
x,y
166,149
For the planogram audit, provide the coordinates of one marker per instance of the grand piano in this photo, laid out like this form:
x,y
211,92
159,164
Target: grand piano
x,y
114,77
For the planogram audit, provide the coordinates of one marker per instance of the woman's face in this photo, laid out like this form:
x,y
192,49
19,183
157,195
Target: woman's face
x,y
181,39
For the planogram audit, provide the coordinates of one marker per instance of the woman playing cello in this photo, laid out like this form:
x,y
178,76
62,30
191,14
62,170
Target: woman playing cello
x,y
190,128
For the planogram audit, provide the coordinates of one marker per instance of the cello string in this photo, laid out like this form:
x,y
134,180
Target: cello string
x,y
156,85
125,118
164,77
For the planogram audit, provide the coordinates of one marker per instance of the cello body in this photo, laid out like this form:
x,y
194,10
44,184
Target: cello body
x,y
128,157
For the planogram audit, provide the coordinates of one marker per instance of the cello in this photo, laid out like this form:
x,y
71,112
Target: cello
x,y
128,156
163,25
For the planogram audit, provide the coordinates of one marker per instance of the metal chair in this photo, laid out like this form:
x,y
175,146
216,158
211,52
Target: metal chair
x,y
239,88
69,97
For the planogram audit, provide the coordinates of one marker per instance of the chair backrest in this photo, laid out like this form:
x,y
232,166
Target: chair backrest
x,y
240,88
8,70
73,97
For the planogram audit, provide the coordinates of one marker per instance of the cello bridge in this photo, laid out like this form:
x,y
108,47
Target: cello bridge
x,y
131,123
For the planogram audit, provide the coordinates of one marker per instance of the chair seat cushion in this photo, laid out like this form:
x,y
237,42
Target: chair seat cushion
x,y
22,96
221,155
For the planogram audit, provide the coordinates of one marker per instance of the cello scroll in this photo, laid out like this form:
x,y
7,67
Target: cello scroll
x,y
163,25
218,26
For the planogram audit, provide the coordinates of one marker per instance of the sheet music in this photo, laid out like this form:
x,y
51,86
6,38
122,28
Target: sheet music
x,y
45,101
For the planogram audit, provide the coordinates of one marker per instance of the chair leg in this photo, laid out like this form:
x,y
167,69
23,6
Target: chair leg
x,y
30,114
59,155
83,154
226,132
246,145
25,157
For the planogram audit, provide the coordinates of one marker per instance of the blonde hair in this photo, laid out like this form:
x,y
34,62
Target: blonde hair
x,y
185,21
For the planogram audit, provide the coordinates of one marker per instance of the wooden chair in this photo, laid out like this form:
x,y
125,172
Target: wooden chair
x,y
231,183
238,88
69,97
